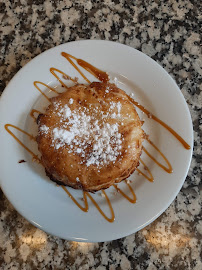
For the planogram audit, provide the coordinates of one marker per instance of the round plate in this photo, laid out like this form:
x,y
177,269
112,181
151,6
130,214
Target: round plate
x,y
47,206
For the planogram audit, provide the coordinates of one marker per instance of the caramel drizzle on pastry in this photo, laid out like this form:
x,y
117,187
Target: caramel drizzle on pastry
x,y
86,206
99,74
52,70
102,76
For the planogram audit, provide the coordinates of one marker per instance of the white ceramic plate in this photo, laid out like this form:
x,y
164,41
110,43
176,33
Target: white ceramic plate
x,y
47,206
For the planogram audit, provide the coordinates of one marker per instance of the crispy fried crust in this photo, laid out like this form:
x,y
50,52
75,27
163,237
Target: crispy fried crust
x,y
64,168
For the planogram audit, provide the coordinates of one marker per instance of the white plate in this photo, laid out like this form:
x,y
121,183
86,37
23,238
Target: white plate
x,y
47,206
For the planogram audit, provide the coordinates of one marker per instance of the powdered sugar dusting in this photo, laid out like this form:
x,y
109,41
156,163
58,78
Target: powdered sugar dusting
x,y
65,111
115,81
107,89
103,152
71,101
44,129
97,142
62,137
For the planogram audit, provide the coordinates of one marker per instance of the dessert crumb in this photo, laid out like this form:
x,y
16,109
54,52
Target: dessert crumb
x,y
21,161
65,77
102,194
36,159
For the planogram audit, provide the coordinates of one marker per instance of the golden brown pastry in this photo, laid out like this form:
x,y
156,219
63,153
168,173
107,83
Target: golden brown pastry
x,y
90,137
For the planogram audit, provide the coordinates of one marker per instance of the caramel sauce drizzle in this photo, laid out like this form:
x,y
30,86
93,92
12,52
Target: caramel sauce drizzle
x,y
102,76
47,86
168,169
151,178
86,206
52,70
99,74
132,200
151,116
19,141
33,111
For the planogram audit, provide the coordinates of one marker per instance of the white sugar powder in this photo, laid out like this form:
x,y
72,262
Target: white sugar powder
x,y
44,129
79,129
65,111
71,101
115,81
107,89
119,107
62,136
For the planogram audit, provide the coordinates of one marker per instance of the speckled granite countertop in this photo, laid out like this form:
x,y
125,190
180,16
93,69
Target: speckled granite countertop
x,y
167,31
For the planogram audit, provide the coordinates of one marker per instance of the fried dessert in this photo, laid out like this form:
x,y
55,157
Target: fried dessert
x,y
90,137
